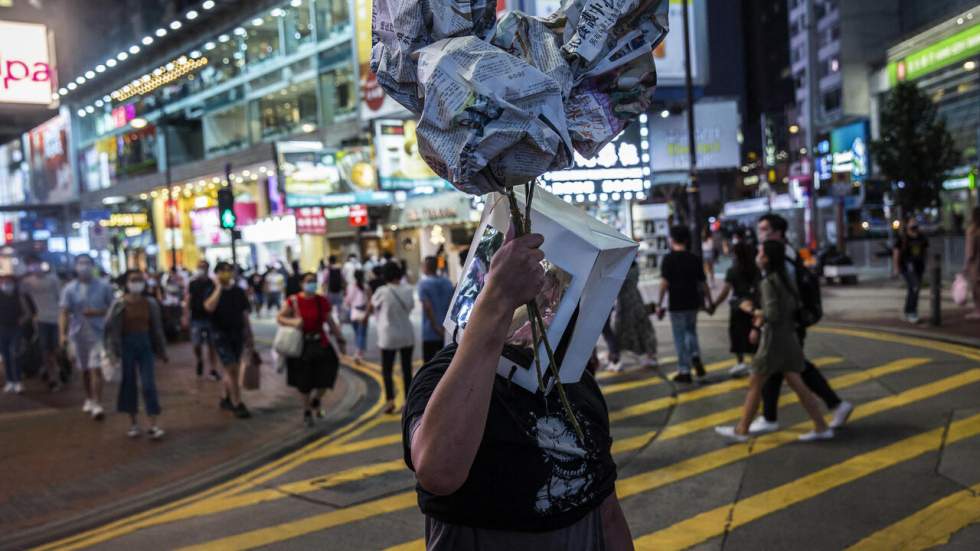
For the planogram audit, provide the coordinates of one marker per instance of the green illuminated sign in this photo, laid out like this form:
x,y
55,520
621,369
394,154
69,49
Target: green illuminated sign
x,y
962,45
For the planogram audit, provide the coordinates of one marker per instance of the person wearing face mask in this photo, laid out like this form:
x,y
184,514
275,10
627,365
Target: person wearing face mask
x,y
44,290
315,371
84,303
15,311
232,333
198,319
133,336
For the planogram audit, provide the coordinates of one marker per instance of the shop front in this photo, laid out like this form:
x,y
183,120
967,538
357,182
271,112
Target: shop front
x,y
274,240
440,225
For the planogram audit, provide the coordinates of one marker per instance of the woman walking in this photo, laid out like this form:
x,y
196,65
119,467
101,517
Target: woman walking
x,y
632,329
709,254
779,347
357,299
315,371
742,283
133,336
971,262
393,303
16,311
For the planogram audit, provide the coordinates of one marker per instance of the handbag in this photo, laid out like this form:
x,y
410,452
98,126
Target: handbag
x,y
960,288
288,341
251,376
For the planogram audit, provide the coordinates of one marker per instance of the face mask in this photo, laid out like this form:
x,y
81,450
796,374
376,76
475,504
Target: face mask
x,y
8,288
310,287
84,271
136,287
224,278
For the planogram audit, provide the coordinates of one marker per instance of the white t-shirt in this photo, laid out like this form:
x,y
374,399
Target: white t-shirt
x,y
274,282
393,304
45,291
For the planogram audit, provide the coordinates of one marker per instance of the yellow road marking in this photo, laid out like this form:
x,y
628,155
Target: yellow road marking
x,y
694,395
360,445
703,463
414,545
928,527
603,375
716,522
701,423
957,349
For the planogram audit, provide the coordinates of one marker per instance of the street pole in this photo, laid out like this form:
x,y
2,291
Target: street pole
x,y
693,194
234,231
169,212
813,92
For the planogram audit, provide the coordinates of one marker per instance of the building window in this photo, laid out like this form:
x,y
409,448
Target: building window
x,y
298,25
332,16
832,101
225,131
291,110
261,39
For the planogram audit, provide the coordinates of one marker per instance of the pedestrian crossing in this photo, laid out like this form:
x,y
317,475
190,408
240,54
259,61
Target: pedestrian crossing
x,y
912,379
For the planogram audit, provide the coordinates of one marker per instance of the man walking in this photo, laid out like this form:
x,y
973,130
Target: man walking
x,y
682,278
200,288
435,292
335,285
44,289
909,260
229,307
772,227
84,303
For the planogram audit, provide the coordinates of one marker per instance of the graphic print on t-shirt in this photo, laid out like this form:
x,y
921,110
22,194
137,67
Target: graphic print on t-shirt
x,y
567,461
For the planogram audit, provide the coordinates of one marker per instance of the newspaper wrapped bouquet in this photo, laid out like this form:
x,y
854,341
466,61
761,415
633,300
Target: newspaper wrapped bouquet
x,y
502,102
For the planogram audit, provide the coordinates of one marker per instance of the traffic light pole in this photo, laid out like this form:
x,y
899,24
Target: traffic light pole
x,y
693,193
233,230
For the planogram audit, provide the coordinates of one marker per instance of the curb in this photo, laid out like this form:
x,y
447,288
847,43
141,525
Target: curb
x,y
950,339
363,395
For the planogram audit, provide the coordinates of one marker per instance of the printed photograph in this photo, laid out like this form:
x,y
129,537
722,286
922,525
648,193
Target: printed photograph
x,y
473,280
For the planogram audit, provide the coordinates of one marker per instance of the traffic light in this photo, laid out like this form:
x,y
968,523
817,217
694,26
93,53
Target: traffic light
x,y
226,208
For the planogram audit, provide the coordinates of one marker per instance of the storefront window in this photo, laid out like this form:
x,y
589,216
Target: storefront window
x,y
290,110
225,131
261,39
136,152
298,25
339,86
225,59
332,16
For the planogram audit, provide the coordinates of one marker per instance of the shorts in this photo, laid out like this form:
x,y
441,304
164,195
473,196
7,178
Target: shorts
x,y
201,332
47,336
229,348
86,354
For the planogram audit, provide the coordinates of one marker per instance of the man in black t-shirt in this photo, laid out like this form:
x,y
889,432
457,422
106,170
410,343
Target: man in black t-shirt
x,y
682,277
232,333
497,466
909,259
199,320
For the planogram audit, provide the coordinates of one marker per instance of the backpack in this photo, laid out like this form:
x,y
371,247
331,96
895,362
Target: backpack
x,y
335,280
808,285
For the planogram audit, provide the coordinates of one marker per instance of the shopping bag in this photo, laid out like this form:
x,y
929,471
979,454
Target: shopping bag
x,y
586,262
960,289
251,371
288,341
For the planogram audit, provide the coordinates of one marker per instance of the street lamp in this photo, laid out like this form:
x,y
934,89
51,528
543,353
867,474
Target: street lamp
x,y
693,194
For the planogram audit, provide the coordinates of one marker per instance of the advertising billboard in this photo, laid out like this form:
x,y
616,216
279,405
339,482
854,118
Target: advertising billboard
x,y
374,102
617,168
669,55
849,148
400,166
46,147
953,49
26,75
316,176
715,137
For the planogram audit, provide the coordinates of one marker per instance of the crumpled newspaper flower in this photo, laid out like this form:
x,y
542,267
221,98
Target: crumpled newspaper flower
x,y
502,102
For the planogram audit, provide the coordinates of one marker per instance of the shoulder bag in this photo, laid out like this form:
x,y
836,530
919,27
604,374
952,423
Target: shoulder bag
x,y
288,341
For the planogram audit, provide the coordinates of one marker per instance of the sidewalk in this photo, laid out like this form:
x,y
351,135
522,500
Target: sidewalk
x,y
57,464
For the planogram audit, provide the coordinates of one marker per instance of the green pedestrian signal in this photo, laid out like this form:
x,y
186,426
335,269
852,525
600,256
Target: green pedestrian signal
x,y
226,208
228,219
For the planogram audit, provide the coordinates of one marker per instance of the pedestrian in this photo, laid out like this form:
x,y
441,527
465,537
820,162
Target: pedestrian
x,y
351,266
199,320
393,303
275,282
84,304
44,290
335,285
499,467
293,280
909,259
232,334
257,283
774,329
709,255
358,300
631,323
133,337
741,288
971,261
377,278
773,227
682,278
173,296
315,371
16,311
435,293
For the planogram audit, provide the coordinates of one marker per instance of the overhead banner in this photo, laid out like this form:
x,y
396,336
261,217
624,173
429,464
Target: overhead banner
x,y
962,45
315,176
26,75
716,138
400,166
374,102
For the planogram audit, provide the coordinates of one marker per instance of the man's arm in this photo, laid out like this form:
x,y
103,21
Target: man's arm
x,y
615,529
450,431
211,303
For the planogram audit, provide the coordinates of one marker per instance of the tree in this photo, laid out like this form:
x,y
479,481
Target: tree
x,y
915,150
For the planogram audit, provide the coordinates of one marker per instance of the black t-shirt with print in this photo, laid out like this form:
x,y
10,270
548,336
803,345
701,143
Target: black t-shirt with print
x,y
684,274
227,317
912,252
530,473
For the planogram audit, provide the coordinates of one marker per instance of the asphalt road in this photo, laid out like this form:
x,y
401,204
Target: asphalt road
x,y
903,474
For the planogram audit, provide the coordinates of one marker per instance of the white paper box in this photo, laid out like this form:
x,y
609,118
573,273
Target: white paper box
x,y
595,255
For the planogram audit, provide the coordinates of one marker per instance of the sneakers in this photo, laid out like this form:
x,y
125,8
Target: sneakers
x,y
97,413
215,376
729,433
155,432
614,367
8,388
651,363
761,426
814,435
739,370
683,378
87,408
912,318
317,410
308,418
242,412
133,432
841,414
226,404
698,367
18,388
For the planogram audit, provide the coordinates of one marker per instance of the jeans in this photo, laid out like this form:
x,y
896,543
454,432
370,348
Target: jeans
x,y
913,279
812,378
685,328
137,362
360,334
612,343
8,343
388,364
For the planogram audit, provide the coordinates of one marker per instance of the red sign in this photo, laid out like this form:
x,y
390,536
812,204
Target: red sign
x,y
310,220
171,214
358,216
